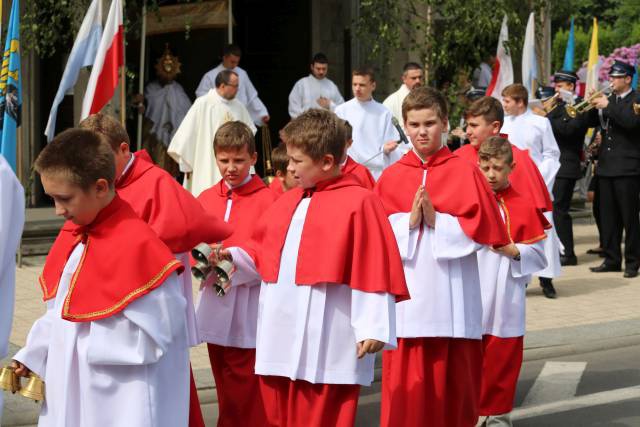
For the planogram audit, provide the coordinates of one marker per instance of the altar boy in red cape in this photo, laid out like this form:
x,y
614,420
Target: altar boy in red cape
x,y
283,180
505,274
172,212
331,274
442,212
351,166
102,349
228,324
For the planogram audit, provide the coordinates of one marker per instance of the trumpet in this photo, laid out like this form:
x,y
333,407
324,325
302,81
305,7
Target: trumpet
x,y
586,104
550,104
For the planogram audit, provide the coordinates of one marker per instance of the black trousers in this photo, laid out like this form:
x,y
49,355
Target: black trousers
x,y
562,193
619,209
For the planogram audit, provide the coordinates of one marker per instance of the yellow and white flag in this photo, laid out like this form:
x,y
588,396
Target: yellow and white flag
x,y
593,66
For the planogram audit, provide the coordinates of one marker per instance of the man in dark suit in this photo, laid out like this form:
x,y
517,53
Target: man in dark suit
x,y
619,171
569,133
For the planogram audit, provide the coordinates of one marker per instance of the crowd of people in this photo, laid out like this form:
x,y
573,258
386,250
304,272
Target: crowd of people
x,y
373,236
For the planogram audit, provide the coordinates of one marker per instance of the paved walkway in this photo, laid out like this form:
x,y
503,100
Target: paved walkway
x,y
589,307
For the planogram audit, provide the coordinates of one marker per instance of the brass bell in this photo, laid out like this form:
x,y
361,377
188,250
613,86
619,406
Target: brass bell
x,y
9,381
34,388
223,271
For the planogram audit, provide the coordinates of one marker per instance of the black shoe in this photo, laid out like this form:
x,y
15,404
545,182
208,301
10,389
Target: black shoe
x,y
547,288
595,251
603,268
568,260
628,274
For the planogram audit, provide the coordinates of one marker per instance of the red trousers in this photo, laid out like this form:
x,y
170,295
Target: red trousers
x,y
502,359
239,400
431,382
195,413
303,404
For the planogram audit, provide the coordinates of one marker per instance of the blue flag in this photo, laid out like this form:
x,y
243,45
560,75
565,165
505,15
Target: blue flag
x,y
569,52
10,88
634,82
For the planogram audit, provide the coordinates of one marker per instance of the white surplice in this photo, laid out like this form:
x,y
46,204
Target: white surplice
x,y
307,90
166,107
394,102
531,132
503,282
192,145
230,320
247,93
372,128
441,270
130,369
310,332
12,209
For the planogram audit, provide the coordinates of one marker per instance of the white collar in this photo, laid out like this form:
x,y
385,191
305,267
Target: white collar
x,y
246,180
623,95
128,165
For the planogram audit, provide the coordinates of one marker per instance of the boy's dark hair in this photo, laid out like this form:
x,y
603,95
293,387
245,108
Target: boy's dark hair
x,y
496,147
488,107
425,98
279,158
364,71
319,58
317,132
82,156
517,92
108,127
231,49
234,136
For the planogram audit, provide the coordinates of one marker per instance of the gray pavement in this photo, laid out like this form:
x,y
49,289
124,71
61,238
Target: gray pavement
x,y
592,312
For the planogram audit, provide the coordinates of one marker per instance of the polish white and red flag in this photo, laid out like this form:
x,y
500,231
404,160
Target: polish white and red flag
x,y
503,67
109,58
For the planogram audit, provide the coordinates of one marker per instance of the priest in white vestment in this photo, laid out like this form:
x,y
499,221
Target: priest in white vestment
x,y
247,93
412,76
192,145
315,90
531,132
11,223
375,140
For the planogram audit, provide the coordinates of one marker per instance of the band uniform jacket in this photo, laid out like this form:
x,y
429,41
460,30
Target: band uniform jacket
x,y
619,153
569,134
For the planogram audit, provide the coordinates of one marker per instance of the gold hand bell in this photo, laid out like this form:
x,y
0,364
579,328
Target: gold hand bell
x,y
34,388
9,381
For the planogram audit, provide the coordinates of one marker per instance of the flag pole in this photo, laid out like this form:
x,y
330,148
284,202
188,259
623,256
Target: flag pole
x,y
123,80
143,47
230,22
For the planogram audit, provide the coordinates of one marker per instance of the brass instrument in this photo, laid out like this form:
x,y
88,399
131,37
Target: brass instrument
x,y
550,104
585,105
269,174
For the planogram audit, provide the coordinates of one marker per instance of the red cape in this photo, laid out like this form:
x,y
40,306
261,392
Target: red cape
x,y
360,172
123,260
249,201
346,239
454,186
276,187
525,178
525,223
171,211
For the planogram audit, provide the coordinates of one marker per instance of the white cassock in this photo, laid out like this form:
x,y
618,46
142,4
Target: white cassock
x,y
130,369
372,128
166,107
11,223
503,282
307,90
192,145
247,93
394,102
311,332
531,132
441,270
231,320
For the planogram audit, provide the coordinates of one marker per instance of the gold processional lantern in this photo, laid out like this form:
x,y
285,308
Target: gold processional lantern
x,y
203,268
9,381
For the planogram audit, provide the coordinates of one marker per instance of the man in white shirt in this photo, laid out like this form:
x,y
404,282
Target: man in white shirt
x,y
531,132
482,74
247,93
315,90
412,76
375,140
192,144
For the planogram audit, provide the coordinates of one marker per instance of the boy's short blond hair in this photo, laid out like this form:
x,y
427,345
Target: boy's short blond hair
x,y
233,136
81,156
425,98
496,147
279,158
317,132
517,92
107,126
